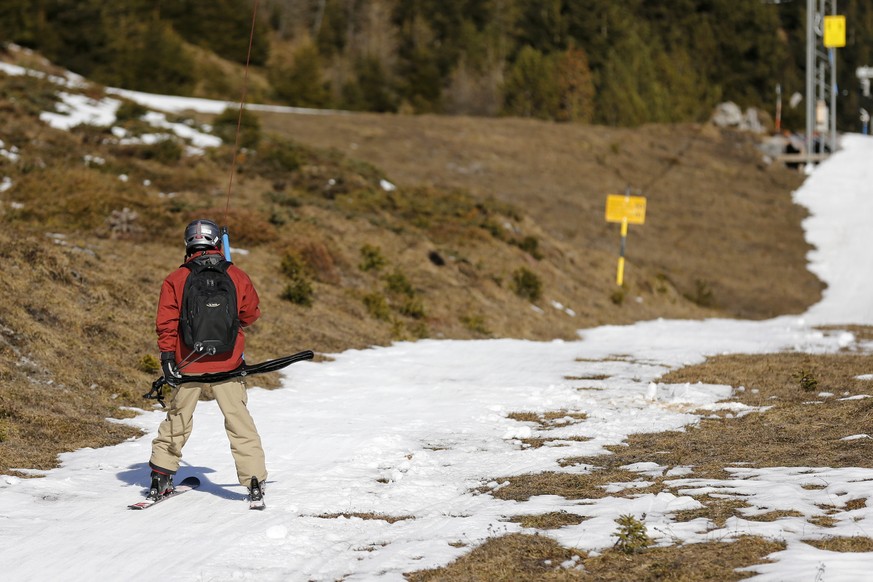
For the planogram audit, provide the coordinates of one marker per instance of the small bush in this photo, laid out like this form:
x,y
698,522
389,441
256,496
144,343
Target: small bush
x,y
398,284
412,307
299,292
281,156
617,296
293,266
299,289
527,285
148,364
530,245
371,258
631,535
475,323
806,380
283,199
418,329
377,306
225,126
130,110
702,295
166,151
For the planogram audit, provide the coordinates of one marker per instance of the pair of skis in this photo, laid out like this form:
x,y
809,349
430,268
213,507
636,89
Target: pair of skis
x,y
188,484
156,393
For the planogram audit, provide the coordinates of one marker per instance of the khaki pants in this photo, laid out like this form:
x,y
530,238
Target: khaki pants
x,y
245,444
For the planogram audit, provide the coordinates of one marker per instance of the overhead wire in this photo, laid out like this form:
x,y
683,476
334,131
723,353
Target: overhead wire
x,y
242,103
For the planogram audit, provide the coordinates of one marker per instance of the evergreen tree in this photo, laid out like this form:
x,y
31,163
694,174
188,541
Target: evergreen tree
x,y
542,25
646,61
301,83
223,26
19,21
371,90
74,33
531,86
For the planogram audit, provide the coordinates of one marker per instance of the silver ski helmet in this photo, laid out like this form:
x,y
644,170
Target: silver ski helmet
x,y
202,234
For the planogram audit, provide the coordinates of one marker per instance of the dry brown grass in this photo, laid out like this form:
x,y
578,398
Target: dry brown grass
x,y
715,509
551,520
367,516
573,485
793,432
710,202
549,419
532,557
835,544
537,442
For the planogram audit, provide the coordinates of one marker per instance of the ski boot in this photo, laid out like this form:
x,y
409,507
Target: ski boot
x,y
161,486
256,494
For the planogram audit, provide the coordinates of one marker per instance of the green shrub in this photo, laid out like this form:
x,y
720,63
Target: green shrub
x,y
299,289
377,306
416,330
371,258
225,126
530,245
299,292
398,284
130,110
475,323
527,285
293,266
412,307
148,364
806,380
301,83
165,151
631,535
617,296
281,156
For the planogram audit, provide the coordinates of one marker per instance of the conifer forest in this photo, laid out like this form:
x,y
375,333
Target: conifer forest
x,y
592,61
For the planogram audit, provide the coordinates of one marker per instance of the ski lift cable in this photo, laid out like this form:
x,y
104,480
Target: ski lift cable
x,y
241,108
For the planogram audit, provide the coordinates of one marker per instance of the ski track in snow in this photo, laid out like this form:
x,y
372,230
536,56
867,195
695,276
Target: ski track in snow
x,y
411,431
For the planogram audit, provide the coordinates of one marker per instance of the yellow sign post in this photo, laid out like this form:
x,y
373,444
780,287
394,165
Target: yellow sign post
x,y
625,209
835,31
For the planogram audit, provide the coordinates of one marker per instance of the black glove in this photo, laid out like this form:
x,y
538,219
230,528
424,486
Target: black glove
x,y
168,367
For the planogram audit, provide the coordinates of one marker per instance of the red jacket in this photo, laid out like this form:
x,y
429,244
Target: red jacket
x,y
169,309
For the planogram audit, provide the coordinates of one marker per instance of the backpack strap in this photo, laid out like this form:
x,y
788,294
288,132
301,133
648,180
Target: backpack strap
x,y
216,261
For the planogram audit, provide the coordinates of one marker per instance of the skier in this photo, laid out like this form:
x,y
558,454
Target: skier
x,y
203,246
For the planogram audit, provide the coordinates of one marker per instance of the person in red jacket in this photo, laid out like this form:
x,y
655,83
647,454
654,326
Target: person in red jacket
x,y
203,243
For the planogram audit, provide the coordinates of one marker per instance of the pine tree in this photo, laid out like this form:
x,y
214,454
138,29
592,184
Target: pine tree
x,y
531,87
301,83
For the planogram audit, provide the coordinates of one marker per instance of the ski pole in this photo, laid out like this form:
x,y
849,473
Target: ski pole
x,y
198,349
157,385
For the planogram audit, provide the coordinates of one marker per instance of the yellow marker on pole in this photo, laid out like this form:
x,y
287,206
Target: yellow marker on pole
x,y
835,31
625,209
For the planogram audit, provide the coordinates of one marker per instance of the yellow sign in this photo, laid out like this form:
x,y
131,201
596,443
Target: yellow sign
x,y
835,31
620,208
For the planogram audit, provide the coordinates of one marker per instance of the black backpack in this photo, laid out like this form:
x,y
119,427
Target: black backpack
x,y
209,318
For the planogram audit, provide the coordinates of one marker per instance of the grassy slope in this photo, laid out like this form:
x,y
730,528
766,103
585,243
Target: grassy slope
x,y
716,214
77,324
